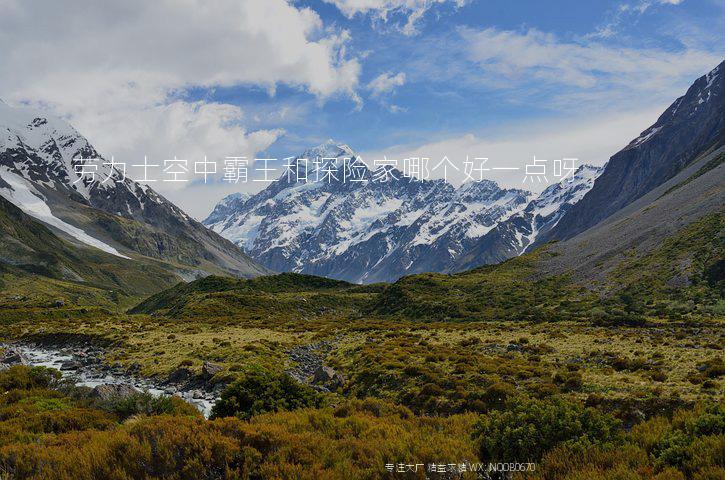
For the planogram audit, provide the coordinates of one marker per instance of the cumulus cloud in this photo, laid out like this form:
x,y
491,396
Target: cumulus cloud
x,y
382,10
513,146
168,44
119,70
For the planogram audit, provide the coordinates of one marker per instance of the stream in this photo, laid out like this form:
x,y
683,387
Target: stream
x,y
94,374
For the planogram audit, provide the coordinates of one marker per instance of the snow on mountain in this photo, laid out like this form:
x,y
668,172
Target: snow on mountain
x,y
227,206
49,170
519,232
50,152
368,231
547,209
22,194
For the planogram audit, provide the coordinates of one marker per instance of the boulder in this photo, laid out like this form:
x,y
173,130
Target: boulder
x,y
328,378
71,365
208,370
323,375
109,391
180,375
13,356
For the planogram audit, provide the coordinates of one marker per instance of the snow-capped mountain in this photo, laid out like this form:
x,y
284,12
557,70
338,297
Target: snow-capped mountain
x,y
367,231
50,153
227,206
515,235
52,173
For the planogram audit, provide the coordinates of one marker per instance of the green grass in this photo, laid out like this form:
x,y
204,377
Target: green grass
x,y
288,295
683,275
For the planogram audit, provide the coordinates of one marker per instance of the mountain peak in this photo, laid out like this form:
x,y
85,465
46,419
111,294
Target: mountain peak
x,y
242,196
478,189
42,160
364,231
328,149
690,126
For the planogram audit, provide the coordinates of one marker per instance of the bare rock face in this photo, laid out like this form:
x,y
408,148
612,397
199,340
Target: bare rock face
x,y
109,391
692,125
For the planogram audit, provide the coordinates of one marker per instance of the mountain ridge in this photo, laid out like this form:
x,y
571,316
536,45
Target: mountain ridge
x,y
691,125
364,231
41,163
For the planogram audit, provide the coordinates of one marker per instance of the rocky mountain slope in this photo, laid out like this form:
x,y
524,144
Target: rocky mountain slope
x,y
373,231
691,126
39,268
44,165
669,235
695,195
518,233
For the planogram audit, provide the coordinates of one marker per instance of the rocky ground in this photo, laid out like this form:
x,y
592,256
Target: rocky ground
x,y
84,362
308,366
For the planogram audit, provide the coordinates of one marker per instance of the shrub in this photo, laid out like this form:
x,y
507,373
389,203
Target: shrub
x,y
261,392
21,377
695,441
528,429
144,403
569,381
353,441
497,395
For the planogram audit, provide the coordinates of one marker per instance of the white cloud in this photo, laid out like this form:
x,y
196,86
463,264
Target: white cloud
x,y
588,68
118,70
170,44
382,10
185,130
590,140
385,83
626,11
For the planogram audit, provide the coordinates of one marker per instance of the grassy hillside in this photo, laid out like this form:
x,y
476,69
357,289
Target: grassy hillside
x,y
37,269
684,275
283,295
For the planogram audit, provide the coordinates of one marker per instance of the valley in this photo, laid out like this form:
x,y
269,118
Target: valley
x,y
578,334
411,388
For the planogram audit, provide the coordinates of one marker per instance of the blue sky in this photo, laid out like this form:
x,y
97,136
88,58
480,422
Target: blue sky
x,y
270,78
445,93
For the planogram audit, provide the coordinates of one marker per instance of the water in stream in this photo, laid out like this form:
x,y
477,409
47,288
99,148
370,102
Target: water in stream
x,y
92,377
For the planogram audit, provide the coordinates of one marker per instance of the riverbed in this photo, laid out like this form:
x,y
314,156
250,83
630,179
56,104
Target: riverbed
x,y
71,366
